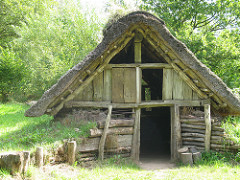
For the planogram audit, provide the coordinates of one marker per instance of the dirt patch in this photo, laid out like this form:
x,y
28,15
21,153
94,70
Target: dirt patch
x,y
156,163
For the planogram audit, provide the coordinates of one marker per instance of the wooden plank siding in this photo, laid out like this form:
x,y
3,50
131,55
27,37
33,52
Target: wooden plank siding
x,y
167,91
118,85
123,85
175,88
129,85
98,88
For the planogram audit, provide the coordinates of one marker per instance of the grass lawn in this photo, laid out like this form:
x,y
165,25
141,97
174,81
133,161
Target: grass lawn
x,y
22,133
18,132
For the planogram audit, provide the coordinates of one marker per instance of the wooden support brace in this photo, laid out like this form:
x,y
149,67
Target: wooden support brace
x,y
207,118
104,135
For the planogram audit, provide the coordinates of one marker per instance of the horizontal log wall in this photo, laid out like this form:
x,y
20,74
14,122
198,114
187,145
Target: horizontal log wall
x,y
118,140
193,134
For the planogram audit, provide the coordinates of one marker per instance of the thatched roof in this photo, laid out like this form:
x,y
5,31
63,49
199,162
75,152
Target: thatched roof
x,y
211,86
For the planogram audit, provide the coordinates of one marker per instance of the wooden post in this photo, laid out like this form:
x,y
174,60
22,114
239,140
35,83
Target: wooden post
x,y
107,96
71,152
137,48
176,140
104,135
136,136
26,161
207,117
39,157
138,85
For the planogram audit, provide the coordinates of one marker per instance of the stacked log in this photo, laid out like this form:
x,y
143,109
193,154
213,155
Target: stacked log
x,y
118,140
193,132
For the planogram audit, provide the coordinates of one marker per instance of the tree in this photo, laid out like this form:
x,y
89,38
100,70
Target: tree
x,y
209,28
11,73
51,43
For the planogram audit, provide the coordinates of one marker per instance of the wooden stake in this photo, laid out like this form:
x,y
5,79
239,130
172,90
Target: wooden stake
x,y
104,135
39,157
207,117
71,152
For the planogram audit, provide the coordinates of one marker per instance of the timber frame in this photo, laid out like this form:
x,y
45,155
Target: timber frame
x,y
185,81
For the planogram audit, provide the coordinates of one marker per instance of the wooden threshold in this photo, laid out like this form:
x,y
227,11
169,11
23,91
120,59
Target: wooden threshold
x,y
156,103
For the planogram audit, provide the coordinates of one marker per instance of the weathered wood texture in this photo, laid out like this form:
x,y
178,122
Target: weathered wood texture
x,y
174,87
207,117
136,136
116,130
104,134
129,85
71,152
176,141
98,85
167,91
39,157
123,85
117,123
92,144
107,89
118,85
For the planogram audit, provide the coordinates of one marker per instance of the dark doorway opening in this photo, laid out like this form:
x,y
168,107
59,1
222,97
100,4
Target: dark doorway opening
x,y
155,132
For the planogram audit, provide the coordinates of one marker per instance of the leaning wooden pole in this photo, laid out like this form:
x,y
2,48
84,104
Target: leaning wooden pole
x,y
104,135
207,117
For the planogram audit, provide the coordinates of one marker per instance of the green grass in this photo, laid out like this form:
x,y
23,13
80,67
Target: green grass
x,y
23,133
18,132
232,128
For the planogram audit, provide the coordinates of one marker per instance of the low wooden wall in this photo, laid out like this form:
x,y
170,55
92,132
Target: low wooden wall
x,y
118,141
193,134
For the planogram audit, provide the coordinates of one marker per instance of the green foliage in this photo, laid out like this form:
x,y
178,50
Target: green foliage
x,y
11,73
210,29
52,37
21,133
232,128
211,158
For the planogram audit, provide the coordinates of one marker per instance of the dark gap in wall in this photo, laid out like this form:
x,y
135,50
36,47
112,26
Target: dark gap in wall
x,y
152,84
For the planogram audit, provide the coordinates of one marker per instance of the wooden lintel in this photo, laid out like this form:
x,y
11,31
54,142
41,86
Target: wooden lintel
x,y
142,66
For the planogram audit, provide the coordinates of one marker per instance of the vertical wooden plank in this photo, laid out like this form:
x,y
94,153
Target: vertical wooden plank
x,y
98,88
86,94
167,92
207,117
137,48
176,139
195,96
187,91
129,85
107,95
177,87
138,84
136,136
104,135
137,52
118,85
